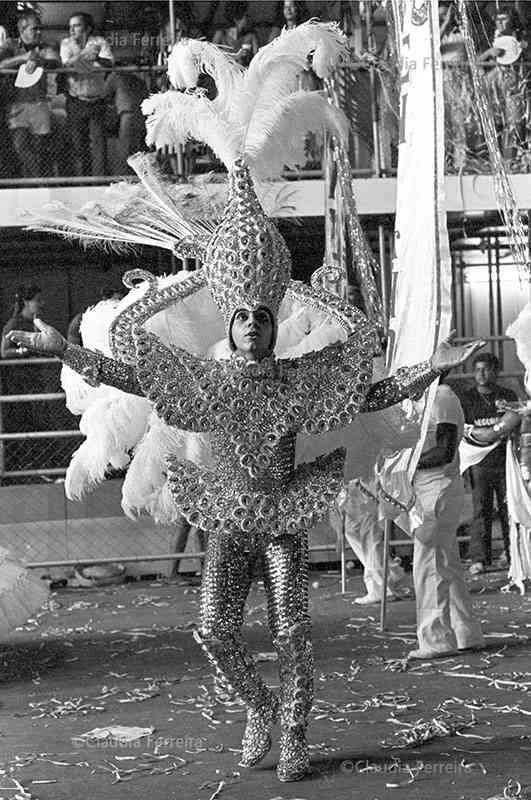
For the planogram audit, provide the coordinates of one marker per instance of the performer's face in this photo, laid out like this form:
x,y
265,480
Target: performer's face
x,y
251,332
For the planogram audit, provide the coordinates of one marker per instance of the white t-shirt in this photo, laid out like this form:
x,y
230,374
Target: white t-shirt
x,y
446,409
86,86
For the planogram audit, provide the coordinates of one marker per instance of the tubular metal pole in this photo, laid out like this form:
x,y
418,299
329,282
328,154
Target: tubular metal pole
x,y
383,606
343,558
171,15
383,272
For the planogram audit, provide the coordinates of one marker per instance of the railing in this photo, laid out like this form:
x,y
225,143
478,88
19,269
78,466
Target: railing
x,y
53,160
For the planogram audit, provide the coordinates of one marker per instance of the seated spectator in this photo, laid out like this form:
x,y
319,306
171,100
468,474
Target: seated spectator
x,y
240,37
125,92
28,114
289,14
85,52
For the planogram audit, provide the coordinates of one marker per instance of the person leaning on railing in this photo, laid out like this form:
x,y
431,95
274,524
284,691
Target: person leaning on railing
x,y
29,118
84,52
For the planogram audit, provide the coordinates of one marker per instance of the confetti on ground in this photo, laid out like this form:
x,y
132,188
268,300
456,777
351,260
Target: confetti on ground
x,y
113,733
421,732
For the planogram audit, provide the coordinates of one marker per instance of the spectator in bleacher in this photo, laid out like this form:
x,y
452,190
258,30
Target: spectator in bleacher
x,y
125,93
289,14
23,379
239,37
506,81
28,305
28,114
87,54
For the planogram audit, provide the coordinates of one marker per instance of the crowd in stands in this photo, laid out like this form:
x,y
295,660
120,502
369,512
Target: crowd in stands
x,y
70,105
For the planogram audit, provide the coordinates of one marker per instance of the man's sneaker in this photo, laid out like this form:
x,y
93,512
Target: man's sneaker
x,y
477,568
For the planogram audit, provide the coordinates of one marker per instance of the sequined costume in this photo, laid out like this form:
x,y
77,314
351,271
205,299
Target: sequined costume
x,y
251,497
256,506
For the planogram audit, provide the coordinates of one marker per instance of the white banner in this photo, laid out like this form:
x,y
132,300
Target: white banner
x,y
421,289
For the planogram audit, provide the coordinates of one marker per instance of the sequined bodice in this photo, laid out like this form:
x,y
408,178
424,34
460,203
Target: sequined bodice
x,y
254,465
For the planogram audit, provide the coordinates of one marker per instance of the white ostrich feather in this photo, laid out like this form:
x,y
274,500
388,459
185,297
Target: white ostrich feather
x,y
175,117
325,42
274,71
289,122
191,57
113,426
246,117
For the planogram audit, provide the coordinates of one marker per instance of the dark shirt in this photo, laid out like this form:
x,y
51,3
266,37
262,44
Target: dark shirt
x,y
29,94
480,409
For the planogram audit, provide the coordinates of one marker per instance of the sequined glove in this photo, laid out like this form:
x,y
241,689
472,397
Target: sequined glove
x,y
447,355
48,341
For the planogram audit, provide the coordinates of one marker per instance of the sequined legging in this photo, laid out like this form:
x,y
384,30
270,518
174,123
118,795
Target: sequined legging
x,y
231,563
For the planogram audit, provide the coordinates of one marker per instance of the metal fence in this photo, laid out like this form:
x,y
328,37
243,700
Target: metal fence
x,y
116,130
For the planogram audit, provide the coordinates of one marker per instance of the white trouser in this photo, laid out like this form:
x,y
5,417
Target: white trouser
x,y
445,620
364,533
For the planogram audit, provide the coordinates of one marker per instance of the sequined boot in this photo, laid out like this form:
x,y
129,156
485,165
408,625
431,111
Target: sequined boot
x,y
295,658
239,674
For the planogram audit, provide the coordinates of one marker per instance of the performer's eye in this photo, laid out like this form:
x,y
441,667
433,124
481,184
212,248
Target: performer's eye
x,y
242,316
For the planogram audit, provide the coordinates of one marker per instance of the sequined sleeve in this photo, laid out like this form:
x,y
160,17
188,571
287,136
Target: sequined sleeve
x,y
406,382
182,387
96,368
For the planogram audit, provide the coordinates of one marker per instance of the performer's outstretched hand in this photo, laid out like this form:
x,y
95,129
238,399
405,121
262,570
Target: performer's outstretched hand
x,y
48,340
447,355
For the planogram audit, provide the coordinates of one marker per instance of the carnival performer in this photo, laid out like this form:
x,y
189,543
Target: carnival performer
x,y
253,501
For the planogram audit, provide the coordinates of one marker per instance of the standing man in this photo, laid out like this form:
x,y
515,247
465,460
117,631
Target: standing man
x,y
487,477
86,53
29,117
445,620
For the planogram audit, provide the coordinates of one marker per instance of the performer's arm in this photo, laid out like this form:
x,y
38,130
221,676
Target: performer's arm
x,y
406,382
94,368
443,451
413,381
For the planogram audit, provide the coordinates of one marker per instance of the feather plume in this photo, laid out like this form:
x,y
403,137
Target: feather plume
x,y
275,70
113,426
175,117
155,212
190,58
276,138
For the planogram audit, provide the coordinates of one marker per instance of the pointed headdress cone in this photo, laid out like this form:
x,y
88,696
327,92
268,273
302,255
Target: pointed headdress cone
x,y
247,260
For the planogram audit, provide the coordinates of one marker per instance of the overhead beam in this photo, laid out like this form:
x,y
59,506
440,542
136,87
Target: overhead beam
x,y
303,198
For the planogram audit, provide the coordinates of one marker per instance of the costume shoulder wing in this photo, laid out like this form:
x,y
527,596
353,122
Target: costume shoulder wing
x,y
330,385
181,386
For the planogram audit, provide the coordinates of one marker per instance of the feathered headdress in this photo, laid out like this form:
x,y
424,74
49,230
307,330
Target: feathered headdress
x,y
257,124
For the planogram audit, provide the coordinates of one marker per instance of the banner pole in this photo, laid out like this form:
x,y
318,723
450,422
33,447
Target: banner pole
x,y
383,606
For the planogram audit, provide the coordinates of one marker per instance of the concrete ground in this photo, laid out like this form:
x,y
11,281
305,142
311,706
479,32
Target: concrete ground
x,y
125,656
